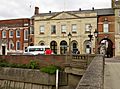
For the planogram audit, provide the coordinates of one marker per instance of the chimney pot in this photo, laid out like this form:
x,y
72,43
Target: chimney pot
x,y
93,8
49,11
79,9
36,10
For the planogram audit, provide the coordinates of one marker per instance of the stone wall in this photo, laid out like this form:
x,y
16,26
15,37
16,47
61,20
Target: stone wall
x,y
94,75
15,78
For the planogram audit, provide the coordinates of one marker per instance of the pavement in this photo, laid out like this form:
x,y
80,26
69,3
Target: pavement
x,y
112,73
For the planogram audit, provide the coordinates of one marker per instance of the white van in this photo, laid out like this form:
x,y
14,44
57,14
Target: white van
x,y
35,50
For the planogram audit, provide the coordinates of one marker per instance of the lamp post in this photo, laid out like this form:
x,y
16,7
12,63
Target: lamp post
x,y
90,37
96,40
69,37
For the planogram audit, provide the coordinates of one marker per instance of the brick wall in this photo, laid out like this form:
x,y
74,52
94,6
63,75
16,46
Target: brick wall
x,y
43,60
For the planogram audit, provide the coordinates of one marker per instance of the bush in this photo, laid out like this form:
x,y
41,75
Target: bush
x,y
33,65
50,69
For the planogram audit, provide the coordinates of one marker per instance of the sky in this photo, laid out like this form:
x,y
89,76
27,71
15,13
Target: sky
x,y
12,9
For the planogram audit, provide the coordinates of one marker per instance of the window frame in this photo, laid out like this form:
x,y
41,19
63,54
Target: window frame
x,y
4,34
87,29
11,35
105,27
17,45
42,29
53,29
18,36
74,28
25,34
63,28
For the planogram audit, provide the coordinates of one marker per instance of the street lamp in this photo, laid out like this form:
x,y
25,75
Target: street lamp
x,y
69,37
96,40
90,36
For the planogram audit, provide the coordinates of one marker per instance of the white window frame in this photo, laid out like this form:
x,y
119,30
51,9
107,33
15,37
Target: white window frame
x,y
17,33
87,27
105,27
42,29
53,29
3,34
63,28
25,34
17,45
11,35
74,28
10,46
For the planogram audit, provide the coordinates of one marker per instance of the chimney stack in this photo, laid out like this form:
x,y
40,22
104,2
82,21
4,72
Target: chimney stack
x,y
93,8
36,10
79,9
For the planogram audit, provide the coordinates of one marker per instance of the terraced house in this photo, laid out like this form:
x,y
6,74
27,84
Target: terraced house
x,y
13,35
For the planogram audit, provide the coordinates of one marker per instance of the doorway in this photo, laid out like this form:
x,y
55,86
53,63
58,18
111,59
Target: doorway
x,y
3,50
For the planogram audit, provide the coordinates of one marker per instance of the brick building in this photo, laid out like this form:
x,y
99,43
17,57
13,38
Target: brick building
x,y
14,35
106,29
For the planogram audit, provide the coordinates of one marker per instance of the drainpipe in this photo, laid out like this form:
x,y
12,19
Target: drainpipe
x,y
57,77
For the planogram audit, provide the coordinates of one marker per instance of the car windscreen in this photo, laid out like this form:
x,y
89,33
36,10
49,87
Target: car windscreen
x,y
35,49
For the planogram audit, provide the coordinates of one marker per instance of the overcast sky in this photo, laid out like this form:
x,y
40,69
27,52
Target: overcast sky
x,y
12,9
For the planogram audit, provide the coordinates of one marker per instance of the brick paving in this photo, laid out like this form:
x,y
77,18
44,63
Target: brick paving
x,y
112,73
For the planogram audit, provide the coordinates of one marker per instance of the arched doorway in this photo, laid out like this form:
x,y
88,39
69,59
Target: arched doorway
x,y
87,46
108,47
63,47
74,46
53,46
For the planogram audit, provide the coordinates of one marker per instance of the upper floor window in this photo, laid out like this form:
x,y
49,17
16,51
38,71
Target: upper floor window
x,y
10,33
32,30
105,27
25,34
74,28
18,45
17,33
42,29
63,28
3,34
53,29
87,27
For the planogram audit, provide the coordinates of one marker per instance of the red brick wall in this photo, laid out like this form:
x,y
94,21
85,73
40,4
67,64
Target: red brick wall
x,y
43,60
14,24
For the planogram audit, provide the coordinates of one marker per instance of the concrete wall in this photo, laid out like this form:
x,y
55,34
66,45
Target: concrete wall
x,y
15,78
94,75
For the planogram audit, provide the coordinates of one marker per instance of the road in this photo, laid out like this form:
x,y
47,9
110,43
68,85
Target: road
x,y
112,73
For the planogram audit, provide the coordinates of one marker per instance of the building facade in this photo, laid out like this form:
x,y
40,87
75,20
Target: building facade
x,y
106,30
53,28
116,8
14,35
